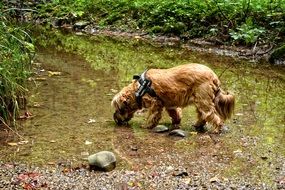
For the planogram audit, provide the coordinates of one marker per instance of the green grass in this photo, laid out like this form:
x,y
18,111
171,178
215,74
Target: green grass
x,y
16,51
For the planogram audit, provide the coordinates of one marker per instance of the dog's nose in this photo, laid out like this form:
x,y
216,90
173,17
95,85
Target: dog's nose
x,y
119,119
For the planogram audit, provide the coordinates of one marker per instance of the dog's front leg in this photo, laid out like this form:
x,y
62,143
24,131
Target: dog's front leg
x,y
155,114
176,115
200,124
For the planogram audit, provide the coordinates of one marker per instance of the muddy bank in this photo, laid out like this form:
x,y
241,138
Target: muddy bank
x,y
257,53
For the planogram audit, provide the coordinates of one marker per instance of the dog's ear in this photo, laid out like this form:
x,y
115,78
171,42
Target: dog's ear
x,y
124,102
123,99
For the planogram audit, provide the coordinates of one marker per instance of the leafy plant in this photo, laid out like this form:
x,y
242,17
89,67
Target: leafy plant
x,y
247,33
16,54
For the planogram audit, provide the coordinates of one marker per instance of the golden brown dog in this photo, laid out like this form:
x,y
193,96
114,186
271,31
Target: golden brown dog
x,y
174,89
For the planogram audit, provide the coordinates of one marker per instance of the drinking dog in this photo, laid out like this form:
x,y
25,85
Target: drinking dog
x,y
174,89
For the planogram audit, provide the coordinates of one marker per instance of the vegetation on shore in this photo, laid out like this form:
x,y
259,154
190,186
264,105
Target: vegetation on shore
x,y
16,53
242,22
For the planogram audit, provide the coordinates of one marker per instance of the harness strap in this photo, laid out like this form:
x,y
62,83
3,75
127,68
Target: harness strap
x,y
145,87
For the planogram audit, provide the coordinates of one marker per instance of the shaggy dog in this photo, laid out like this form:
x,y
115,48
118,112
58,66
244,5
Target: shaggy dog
x,y
174,89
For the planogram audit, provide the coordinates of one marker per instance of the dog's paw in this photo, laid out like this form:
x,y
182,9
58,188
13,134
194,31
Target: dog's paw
x,y
200,129
221,130
175,126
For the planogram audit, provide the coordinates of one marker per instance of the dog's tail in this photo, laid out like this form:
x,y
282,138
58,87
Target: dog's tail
x,y
224,104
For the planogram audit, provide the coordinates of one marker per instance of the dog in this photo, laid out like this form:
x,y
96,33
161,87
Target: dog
x,y
174,89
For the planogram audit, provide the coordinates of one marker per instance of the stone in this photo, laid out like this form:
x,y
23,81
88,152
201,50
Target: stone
x,y
80,25
160,129
180,173
178,133
225,129
104,160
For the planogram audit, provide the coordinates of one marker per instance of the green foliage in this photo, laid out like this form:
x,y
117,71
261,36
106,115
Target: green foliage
x,y
227,20
194,18
16,53
247,33
61,9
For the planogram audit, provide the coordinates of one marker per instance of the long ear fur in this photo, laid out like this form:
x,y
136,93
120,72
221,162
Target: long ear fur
x,y
116,101
225,104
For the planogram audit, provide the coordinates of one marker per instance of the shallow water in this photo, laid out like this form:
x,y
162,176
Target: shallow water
x,y
72,116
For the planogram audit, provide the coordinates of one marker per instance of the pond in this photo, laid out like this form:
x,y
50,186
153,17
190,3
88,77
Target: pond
x,y
77,77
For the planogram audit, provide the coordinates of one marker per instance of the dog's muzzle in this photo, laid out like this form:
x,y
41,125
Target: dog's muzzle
x,y
121,119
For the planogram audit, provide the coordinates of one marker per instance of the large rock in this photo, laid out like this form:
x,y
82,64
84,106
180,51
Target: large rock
x,y
104,160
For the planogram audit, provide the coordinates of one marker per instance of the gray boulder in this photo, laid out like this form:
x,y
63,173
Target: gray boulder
x,y
104,160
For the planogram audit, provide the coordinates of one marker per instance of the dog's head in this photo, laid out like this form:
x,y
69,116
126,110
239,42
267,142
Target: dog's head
x,y
125,104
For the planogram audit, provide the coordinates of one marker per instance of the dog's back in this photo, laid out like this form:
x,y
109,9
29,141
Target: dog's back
x,y
188,74
178,84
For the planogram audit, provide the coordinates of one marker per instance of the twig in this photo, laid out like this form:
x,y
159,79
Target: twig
x,y
19,9
222,13
6,125
257,53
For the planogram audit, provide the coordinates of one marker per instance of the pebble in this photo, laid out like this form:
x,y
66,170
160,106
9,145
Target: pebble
x,y
178,133
160,129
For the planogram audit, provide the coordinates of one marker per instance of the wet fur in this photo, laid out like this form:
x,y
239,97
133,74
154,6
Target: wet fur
x,y
176,88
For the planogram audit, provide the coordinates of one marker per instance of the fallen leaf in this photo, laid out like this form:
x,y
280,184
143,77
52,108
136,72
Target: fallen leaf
x,y
193,133
26,115
54,73
40,79
91,121
12,143
84,153
88,142
37,105
23,142
113,90
238,151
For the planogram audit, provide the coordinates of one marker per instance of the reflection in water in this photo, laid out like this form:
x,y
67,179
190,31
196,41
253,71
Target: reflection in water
x,y
95,68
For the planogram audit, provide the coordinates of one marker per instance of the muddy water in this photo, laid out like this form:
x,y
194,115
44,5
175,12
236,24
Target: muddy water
x,y
77,76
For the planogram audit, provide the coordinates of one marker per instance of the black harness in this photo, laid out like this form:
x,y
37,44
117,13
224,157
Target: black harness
x,y
144,88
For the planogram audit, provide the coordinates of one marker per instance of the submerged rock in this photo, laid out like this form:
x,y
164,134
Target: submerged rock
x,y
178,133
104,160
160,129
